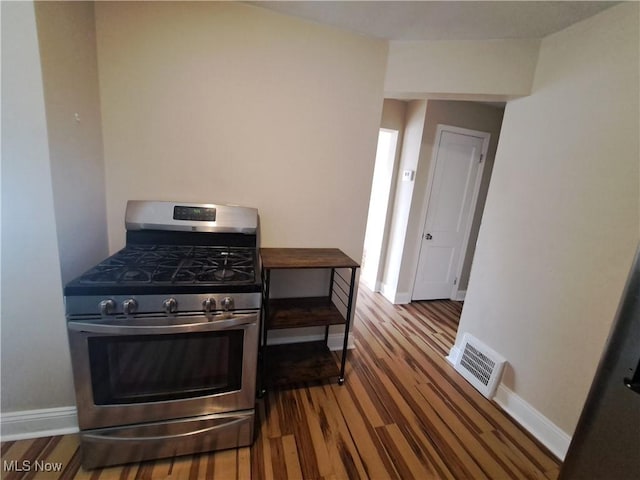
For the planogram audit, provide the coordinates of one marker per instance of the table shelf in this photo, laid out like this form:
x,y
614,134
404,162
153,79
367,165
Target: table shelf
x,y
300,362
306,361
303,312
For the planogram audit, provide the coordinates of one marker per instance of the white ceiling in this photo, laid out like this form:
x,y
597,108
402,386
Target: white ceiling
x,y
448,20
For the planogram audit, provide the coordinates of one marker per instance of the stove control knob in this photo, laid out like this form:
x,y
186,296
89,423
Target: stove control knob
x,y
227,303
209,305
129,306
107,307
170,305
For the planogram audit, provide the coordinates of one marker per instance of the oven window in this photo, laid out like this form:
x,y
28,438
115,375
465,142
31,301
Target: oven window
x,y
151,368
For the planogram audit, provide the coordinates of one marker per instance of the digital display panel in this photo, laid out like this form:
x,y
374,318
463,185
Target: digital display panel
x,y
197,214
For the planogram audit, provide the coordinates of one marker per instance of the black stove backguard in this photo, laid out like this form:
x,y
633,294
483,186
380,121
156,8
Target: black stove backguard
x,y
160,237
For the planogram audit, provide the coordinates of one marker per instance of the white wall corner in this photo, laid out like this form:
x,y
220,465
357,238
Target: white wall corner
x,y
550,435
38,423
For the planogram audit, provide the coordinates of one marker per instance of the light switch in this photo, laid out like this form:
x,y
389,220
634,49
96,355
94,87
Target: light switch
x,y
407,175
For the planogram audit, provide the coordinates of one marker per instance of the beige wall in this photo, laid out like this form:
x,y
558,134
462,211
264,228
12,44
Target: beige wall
x,y
204,102
219,102
561,218
36,371
490,69
66,34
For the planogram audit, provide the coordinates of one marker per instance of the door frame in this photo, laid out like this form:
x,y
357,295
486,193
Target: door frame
x,y
456,293
393,157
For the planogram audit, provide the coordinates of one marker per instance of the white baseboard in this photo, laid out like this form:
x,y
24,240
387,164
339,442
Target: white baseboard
x,y
454,353
375,286
402,298
533,421
397,298
528,417
460,295
367,283
334,342
386,292
44,422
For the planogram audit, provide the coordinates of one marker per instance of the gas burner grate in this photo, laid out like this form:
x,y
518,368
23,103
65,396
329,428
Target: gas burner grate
x,y
175,264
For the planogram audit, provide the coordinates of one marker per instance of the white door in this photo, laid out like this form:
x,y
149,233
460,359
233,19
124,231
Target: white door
x,y
455,181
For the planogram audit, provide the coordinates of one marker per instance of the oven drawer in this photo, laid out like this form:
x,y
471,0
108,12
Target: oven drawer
x,y
111,446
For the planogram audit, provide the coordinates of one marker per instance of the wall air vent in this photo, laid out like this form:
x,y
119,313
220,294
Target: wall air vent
x,y
479,365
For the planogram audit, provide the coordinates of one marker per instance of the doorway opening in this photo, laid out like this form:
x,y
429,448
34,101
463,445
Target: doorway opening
x,y
377,218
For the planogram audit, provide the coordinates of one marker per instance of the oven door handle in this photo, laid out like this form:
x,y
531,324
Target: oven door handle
x,y
108,327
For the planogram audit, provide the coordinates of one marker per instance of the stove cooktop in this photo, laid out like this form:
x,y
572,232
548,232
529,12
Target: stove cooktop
x,y
148,269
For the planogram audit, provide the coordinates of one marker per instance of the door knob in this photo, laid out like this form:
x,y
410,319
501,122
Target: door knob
x,y
428,236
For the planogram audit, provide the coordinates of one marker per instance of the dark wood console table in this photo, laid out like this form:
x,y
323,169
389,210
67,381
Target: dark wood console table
x,y
286,364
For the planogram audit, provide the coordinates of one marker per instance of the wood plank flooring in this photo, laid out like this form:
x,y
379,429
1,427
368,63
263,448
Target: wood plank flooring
x,y
402,413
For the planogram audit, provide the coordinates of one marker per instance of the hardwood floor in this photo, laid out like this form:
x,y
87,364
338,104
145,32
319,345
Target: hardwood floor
x,y
402,413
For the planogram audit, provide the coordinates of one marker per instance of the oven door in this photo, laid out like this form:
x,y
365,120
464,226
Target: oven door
x,y
150,368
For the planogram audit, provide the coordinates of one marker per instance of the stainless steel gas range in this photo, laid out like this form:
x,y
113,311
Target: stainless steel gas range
x,y
164,335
